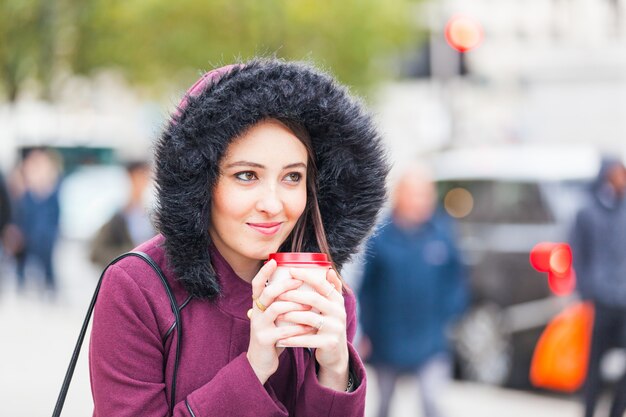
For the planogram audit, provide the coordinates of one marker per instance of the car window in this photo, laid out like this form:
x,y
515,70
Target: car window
x,y
482,201
566,198
89,196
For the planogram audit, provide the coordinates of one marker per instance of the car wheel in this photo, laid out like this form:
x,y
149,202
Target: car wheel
x,y
483,346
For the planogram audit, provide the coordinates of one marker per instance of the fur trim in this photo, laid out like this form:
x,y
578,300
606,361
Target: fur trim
x,y
349,155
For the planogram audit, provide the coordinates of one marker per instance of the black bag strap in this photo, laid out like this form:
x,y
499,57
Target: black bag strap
x,y
177,324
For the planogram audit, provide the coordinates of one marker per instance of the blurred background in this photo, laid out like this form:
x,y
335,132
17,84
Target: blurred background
x,y
512,106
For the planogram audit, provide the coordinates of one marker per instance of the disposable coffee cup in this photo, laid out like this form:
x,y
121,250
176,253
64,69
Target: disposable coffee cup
x,y
316,263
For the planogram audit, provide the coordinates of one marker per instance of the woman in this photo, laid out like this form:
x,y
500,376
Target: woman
x,y
260,157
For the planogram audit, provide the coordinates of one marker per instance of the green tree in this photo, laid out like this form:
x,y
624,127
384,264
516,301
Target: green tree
x,y
33,43
19,43
157,41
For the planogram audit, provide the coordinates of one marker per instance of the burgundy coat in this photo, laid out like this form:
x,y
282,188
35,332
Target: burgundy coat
x,y
131,360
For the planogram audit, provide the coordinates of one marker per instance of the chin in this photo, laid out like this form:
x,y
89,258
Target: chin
x,y
262,251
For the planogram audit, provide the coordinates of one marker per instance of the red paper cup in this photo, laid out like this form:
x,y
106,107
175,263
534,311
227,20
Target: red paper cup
x,y
317,263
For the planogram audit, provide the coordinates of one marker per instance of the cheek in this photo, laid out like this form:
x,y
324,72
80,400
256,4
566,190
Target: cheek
x,y
226,205
296,205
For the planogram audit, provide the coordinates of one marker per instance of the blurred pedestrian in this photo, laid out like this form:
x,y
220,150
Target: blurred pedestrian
x,y
259,157
5,219
12,237
413,289
598,241
5,209
129,226
37,215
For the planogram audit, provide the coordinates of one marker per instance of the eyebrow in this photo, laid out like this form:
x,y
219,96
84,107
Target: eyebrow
x,y
257,165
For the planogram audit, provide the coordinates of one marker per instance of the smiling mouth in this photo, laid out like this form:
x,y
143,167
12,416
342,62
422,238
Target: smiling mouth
x,y
267,229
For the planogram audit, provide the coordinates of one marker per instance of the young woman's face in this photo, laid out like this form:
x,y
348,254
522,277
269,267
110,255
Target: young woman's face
x,y
260,194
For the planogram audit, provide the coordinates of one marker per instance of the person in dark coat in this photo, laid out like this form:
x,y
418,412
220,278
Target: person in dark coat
x,y
412,290
260,157
5,219
5,205
598,242
129,226
37,215
5,209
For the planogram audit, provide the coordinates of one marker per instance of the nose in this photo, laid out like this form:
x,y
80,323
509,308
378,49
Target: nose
x,y
269,201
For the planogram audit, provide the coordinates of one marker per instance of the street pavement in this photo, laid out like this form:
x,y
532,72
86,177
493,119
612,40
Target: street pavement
x,y
39,334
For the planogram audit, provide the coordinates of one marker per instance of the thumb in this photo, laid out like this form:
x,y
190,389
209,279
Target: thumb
x,y
259,280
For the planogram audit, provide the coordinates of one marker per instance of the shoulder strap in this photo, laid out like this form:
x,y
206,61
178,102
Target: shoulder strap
x,y
177,324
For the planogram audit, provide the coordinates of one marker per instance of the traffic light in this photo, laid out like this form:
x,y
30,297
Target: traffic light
x,y
444,56
463,33
556,260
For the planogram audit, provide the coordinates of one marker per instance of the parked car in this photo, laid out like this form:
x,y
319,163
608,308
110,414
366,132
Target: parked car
x,y
89,196
507,199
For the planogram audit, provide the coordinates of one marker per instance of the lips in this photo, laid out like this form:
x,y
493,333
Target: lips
x,y
266,229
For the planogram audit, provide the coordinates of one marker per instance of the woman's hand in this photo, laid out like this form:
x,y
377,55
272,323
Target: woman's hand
x,y
264,334
330,338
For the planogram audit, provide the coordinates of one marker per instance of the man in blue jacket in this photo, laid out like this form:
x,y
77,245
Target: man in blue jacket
x,y
413,288
598,243
37,215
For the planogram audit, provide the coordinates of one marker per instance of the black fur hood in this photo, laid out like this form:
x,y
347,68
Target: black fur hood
x,y
349,156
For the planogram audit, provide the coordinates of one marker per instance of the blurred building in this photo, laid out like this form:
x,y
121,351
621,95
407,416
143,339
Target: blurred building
x,y
94,120
546,71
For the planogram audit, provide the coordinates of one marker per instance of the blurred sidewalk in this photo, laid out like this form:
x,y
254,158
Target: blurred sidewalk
x,y
39,336
466,399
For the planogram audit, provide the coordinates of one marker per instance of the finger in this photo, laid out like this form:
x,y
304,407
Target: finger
x,y
269,293
281,322
278,308
287,332
259,280
292,330
310,298
270,337
311,319
319,284
333,278
314,341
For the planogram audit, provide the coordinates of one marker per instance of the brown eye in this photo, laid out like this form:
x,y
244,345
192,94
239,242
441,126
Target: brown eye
x,y
245,176
293,177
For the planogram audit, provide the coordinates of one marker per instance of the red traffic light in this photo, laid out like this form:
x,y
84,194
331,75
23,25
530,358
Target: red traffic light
x,y
463,33
556,260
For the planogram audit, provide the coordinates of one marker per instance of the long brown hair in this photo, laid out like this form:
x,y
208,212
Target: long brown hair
x,y
311,215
